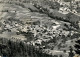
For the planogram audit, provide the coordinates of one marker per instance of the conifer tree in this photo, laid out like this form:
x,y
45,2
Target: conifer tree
x,y
77,46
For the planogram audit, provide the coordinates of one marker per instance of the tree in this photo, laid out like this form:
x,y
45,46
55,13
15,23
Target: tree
x,y
77,46
67,0
71,54
68,16
29,35
54,5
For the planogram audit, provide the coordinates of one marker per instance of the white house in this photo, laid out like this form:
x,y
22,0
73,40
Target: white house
x,y
38,42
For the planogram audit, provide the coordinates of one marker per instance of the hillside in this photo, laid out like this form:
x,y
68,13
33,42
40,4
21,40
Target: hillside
x,y
31,30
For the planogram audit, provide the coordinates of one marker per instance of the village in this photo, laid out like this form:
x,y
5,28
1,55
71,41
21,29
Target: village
x,y
36,28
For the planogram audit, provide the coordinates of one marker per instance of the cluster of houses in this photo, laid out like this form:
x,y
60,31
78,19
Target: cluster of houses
x,y
44,33
69,7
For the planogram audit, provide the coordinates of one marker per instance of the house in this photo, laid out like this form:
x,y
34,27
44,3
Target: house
x,y
64,10
38,42
74,11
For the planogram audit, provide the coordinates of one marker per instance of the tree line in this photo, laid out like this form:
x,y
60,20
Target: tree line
x,y
18,48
